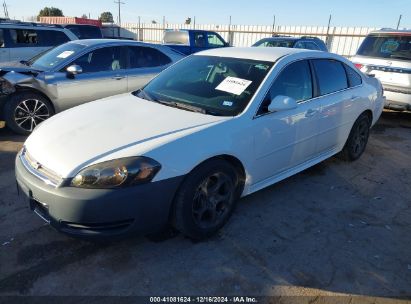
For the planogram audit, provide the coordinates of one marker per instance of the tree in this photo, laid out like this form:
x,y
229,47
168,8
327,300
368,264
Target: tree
x,y
50,11
84,16
188,20
106,17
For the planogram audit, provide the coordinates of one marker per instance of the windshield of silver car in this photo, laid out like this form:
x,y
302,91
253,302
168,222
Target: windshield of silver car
x,y
213,85
55,56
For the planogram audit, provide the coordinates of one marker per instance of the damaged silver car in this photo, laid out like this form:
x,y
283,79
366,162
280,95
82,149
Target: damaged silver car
x,y
75,73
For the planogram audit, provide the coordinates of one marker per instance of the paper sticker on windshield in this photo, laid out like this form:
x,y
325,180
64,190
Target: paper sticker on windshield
x,y
65,54
233,85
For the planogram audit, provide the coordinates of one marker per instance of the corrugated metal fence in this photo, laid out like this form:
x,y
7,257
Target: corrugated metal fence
x,y
341,40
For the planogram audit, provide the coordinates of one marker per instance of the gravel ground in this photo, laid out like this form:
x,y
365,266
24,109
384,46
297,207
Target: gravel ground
x,y
335,229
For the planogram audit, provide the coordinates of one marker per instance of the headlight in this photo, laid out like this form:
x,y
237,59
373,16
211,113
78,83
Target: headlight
x,y
117,173
6,87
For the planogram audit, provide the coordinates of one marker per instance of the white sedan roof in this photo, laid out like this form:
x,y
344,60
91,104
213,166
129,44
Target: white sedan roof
x,y
257,53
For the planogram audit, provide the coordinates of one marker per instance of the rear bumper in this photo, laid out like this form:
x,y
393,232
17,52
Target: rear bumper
x,y
96,213
397,101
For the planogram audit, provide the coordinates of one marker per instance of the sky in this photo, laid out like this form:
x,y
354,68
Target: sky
x,y
367,13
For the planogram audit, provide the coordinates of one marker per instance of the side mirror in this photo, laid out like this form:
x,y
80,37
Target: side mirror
x,y
74,69
282,103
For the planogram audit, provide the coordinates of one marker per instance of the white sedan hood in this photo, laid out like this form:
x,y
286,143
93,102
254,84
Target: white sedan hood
x,y
111,128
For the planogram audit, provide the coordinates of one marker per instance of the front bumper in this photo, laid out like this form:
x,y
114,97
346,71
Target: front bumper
x,y
97,213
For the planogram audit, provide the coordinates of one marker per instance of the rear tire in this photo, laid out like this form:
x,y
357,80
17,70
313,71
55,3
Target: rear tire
x,y
357,140
25,110
206,199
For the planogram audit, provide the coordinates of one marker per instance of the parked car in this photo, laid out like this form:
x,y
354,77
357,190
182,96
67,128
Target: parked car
x,y
75,73
304,42
23,40
386,54
216,126
85,31
191,41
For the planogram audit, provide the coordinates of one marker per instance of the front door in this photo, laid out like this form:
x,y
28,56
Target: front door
x,y
104,74
286,139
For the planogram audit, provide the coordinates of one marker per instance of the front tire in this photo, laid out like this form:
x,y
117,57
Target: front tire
x,y
25,110
206,199
357,140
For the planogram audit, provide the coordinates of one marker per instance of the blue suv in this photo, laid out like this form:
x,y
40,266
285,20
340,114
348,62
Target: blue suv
x,y
304,42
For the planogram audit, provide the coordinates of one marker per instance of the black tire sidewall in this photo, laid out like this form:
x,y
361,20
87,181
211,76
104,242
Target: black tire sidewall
x,y
183,203
350,153
11,105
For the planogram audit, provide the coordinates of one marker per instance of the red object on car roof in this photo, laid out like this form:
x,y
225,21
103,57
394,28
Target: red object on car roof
x,y
70,20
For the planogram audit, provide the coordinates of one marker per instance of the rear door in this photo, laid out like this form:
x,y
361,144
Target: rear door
x,y
144,64
104,74
338,103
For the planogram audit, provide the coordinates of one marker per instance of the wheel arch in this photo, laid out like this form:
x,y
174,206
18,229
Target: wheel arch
x,y
233,161
22,89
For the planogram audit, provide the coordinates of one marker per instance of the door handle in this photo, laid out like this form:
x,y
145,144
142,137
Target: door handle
x,y
118,77
311,113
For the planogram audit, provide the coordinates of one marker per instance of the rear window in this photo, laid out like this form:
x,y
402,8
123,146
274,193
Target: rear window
x,y
52,38
331,75
24,37
386,46
85,32
177,37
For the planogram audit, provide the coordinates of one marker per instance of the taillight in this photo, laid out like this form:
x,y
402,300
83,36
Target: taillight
x,y
359,65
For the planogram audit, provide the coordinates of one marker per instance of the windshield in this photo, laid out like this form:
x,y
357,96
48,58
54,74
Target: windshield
x,y
275,43
216,85
387,46
55,56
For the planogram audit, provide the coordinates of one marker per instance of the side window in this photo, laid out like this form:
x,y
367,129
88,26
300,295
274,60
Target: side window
x,y
200,40
214,40
102,60
354,79
299,45
146,57
331,75
23,37
311,46
52,38
294,81
2,39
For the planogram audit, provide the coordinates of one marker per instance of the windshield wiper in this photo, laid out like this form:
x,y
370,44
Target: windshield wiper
x,y
179,105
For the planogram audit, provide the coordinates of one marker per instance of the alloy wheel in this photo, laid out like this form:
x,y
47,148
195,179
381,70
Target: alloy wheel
x,y
212,200
29,113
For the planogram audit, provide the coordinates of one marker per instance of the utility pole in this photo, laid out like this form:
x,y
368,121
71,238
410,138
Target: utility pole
x,y
6,11
119,15
399,22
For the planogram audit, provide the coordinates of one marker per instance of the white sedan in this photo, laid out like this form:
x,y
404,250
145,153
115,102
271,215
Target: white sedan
x,y
216,126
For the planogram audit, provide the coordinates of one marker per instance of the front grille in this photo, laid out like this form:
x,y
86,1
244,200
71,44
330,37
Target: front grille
x,y
39,170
